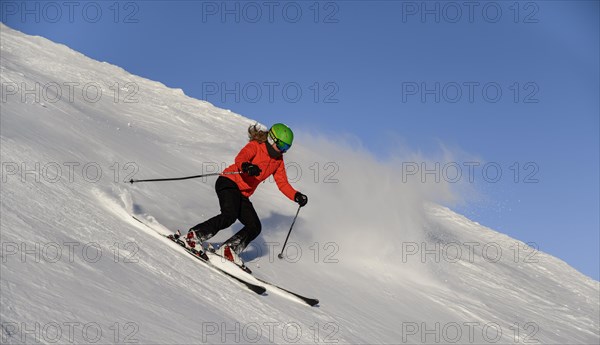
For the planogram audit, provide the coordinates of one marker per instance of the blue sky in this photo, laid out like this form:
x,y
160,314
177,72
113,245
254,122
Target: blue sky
x,y
514,84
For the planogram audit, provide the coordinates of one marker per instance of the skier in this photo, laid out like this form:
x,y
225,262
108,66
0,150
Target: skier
x,y
259,159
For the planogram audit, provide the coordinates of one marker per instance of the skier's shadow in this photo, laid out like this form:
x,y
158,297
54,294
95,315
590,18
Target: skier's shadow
x,y
275,223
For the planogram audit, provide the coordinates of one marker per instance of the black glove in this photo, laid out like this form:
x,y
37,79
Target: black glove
x,y
301,199
251,169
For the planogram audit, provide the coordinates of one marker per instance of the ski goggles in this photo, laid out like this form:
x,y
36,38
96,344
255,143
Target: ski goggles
x,y
283,147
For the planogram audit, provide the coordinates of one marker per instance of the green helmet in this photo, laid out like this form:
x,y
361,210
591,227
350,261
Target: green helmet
x,y
282,136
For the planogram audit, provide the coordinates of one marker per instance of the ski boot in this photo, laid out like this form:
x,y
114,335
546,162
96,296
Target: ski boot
x,y
190,243
225,251
194,244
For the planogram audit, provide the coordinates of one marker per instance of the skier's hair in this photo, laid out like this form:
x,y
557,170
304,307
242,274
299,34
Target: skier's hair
x,y
257,133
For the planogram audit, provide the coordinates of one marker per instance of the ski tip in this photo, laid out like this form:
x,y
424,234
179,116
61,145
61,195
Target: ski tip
x,y
313,302
261,290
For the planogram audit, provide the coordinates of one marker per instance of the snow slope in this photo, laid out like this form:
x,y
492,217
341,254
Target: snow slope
x,y
388,264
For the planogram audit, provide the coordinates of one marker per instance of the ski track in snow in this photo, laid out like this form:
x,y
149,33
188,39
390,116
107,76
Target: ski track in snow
x,y
122,276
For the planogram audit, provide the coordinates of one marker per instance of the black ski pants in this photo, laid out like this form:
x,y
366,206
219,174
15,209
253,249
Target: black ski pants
x,y
234,206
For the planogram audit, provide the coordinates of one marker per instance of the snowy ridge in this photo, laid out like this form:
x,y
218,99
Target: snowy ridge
x,y
77,268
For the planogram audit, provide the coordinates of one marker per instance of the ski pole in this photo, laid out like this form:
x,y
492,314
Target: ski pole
x,y
289,232
184,178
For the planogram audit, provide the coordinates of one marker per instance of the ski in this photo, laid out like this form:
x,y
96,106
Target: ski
x,y
308,300
253,287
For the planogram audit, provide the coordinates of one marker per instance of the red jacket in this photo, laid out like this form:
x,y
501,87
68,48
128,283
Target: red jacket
x,y
257,154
